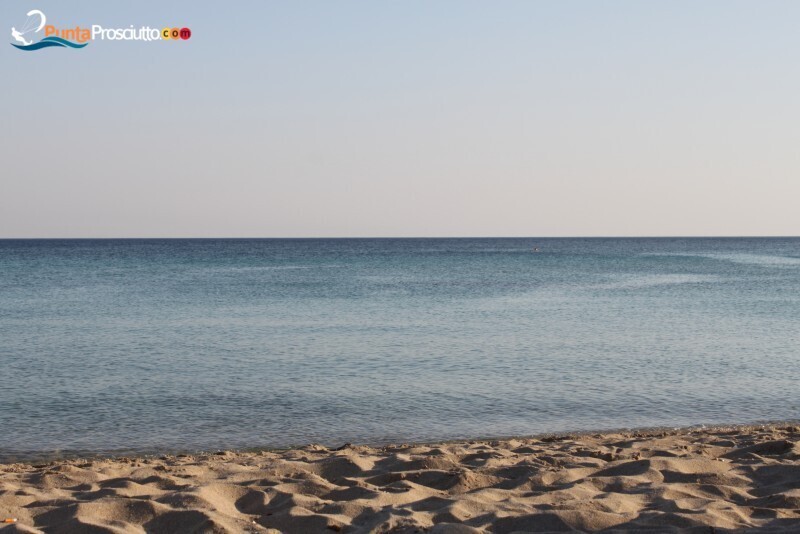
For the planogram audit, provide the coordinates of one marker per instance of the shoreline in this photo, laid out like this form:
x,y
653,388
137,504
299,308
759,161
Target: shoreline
x,y
30,458
732,477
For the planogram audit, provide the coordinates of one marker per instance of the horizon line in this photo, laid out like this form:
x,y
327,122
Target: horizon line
x,y
142,238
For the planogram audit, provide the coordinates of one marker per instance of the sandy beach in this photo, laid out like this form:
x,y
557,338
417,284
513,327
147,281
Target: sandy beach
x,y
714,480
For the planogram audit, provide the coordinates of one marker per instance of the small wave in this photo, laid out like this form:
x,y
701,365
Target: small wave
x,y
744,258
263,268
759,259
636,282
274,267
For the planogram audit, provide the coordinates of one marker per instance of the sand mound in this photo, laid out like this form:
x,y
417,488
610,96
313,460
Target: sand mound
x,y
685,481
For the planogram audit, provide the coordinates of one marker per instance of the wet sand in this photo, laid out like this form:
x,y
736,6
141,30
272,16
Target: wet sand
x,y
714,480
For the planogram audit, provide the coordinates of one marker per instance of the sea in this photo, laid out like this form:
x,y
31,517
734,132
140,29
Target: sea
x,y
182,345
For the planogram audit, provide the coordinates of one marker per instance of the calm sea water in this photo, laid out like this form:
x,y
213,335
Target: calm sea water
x,y
153,345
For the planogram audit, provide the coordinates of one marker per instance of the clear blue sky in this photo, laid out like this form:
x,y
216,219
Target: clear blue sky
x,y
406,118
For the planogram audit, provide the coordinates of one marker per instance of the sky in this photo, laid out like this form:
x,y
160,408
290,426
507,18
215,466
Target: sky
x,y
405,118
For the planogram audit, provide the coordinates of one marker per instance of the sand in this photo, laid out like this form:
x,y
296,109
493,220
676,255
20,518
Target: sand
x,y
683,481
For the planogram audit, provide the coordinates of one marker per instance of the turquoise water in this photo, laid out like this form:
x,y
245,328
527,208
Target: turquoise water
x,y
168,345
